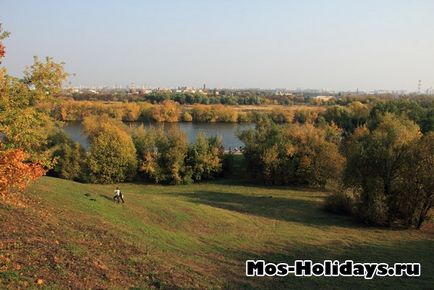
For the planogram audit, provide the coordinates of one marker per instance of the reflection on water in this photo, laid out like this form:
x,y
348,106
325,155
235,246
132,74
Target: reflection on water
x,y
227,131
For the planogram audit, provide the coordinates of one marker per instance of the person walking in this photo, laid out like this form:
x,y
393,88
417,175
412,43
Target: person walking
x,y
118,196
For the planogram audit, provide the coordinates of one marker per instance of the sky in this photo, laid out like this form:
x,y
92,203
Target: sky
x,y
322,44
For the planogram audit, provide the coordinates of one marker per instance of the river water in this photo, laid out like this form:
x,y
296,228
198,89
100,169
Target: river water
x,y
227,131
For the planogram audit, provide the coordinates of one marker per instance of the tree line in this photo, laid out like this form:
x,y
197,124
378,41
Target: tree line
x,y
208,97
119,154
378,163
349,116
170,111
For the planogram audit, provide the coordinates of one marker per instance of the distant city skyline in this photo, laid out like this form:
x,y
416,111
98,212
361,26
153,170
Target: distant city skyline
x,y
336,45
132,85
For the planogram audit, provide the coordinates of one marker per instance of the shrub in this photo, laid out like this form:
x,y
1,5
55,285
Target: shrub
x,y
282,116
203,114
69,157
131,112
373,209
233,165
225,114
341,201
244,117
168,111
186,117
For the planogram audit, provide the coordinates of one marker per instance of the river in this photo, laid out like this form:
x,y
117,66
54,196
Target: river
x,y
227,131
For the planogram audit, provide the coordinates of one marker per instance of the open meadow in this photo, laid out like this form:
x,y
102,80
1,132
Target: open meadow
x,y
72,235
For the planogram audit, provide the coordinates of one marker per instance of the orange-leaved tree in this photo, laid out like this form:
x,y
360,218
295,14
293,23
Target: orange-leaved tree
x,y
24,127
16,172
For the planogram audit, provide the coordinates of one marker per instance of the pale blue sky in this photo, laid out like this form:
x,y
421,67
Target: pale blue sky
x,y
268,44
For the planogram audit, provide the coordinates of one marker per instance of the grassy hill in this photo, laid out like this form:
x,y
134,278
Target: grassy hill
x,y
73,235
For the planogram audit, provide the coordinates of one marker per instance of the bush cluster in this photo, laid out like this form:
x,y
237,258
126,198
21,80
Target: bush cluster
x,y
166,157
389,171
117,155
171,111
291,154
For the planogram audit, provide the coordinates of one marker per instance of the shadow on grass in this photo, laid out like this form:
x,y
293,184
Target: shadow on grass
x,y
106,197
405,252
308,212
248,182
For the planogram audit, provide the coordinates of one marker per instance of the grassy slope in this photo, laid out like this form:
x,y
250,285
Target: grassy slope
x,y
195,236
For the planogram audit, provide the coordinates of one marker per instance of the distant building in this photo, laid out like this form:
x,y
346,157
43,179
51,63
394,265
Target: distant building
x,y
324,98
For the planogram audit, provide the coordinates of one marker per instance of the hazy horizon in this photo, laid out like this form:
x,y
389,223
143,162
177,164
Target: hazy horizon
x,y
338,45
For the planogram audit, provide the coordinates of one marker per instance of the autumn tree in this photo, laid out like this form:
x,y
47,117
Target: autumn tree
x,y
165,162
291,154
203,114
112,155
204,157
145,141
409,109
24,127
415,187
23,124
375,159
348,118
281,116
15,171
186,117
70,157
168,111
225,114
161,155
131,112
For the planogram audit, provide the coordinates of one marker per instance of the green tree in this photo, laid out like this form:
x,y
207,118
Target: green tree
x,y
112,155
145,141
204,157
416,186
162,155
23,123
69,157
291,154
348,118
410,109
374,161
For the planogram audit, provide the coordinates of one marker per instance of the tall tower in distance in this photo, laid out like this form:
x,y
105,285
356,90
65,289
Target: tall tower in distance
x,y
419,85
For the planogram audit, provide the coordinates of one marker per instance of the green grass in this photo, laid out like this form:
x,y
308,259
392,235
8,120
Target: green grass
x,y
199,236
